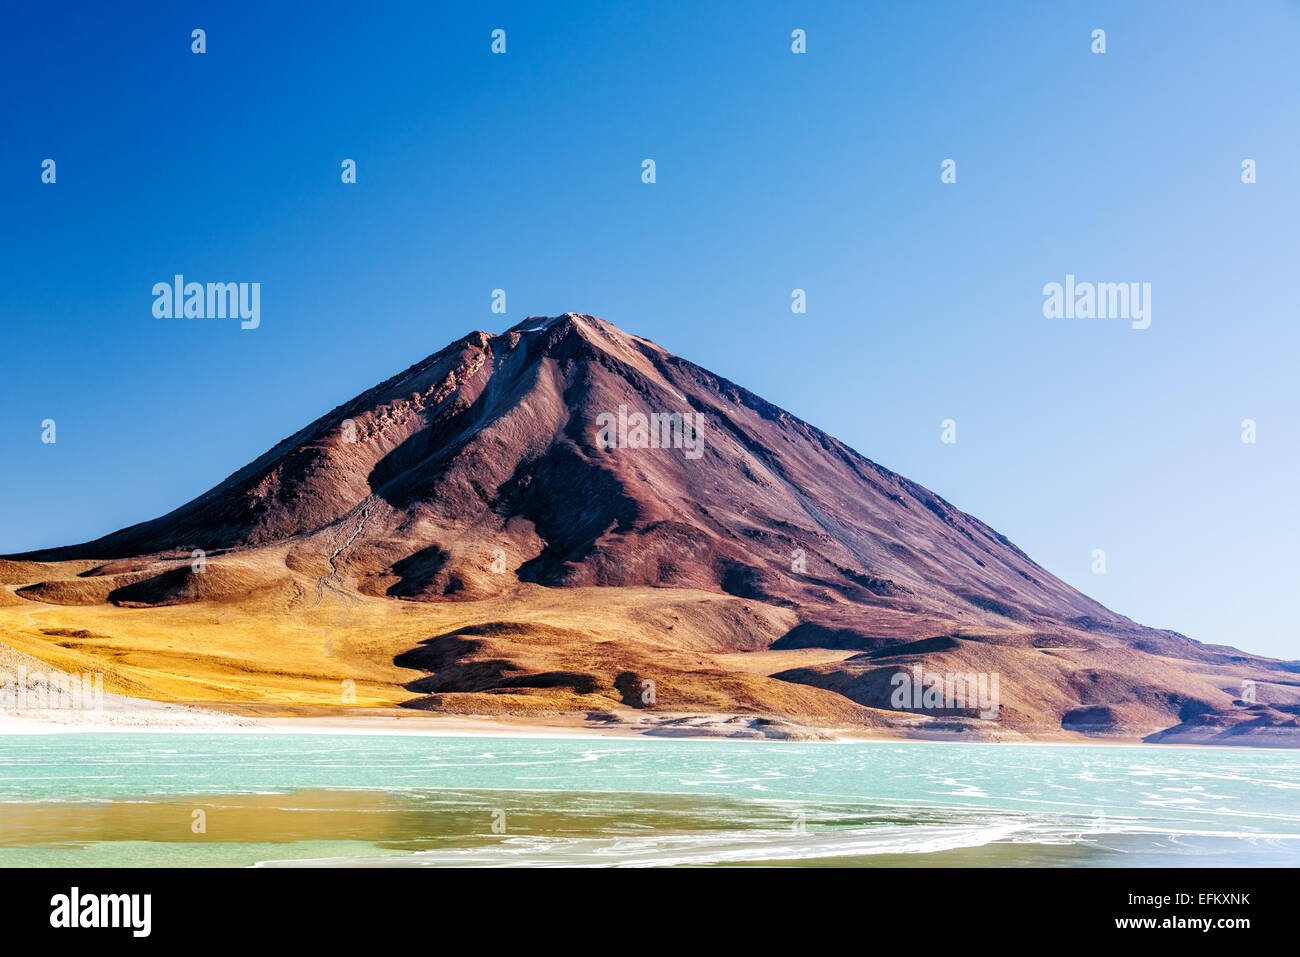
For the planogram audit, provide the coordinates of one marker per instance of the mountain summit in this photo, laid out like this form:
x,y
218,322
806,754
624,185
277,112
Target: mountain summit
x,y
567,457
494,443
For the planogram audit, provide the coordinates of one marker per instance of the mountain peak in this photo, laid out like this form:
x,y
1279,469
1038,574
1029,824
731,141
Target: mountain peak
x,y
592,328
565,320
568,454
492,444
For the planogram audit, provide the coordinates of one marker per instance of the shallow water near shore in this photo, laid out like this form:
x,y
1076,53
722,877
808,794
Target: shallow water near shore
x,y
211,799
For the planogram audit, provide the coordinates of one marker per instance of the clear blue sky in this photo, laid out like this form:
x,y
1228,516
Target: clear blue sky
x,y
775,171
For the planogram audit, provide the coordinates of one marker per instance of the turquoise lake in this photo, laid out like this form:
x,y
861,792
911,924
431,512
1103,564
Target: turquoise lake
x,y
244,799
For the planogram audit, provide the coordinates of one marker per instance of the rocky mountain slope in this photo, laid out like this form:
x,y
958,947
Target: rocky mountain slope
x,y
711,544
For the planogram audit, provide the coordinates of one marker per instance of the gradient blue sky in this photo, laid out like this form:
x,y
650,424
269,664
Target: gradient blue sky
x,y
775,171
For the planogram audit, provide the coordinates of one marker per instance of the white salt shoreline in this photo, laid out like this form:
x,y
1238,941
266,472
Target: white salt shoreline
x,y
163,720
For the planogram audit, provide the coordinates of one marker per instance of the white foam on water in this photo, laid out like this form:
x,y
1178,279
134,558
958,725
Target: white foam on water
x,y
693,849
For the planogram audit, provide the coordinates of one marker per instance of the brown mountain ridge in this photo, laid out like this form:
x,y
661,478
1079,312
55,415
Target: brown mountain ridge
x,y
568,518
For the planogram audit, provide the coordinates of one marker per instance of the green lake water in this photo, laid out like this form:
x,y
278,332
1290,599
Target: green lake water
x,y
243,799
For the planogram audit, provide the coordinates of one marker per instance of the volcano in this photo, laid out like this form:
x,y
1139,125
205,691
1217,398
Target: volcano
x,y
568,518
